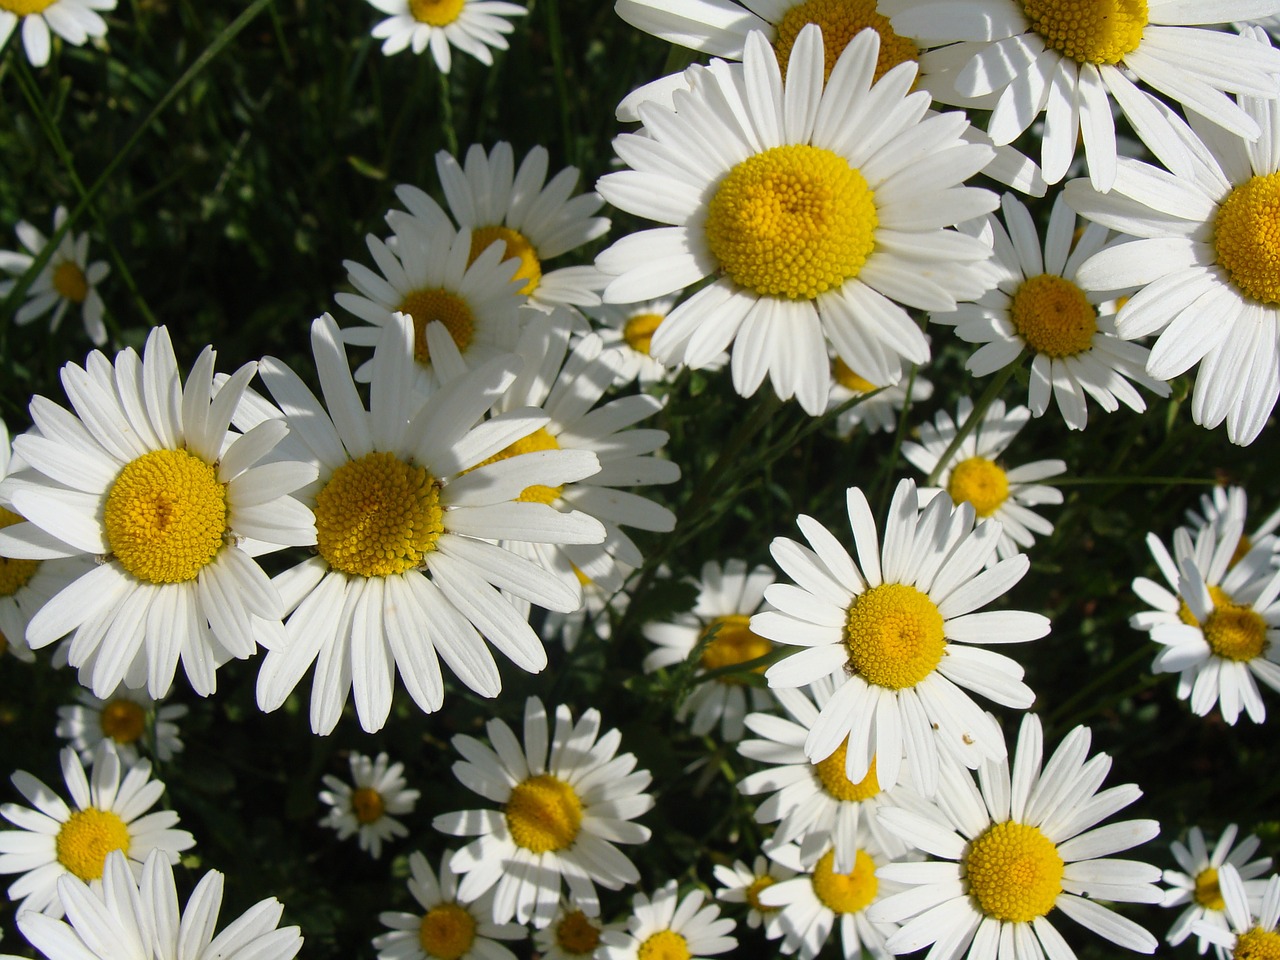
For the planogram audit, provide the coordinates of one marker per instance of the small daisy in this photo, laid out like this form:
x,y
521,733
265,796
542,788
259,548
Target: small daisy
x,y
571,935
473,26
68,279
600,607
903,627
972,476
1015,848
670,926
743,883
876,413
134,913
727,597
366,809
1232,503
626,330
1196,883
55,840
1244,937
75,21
128,718
871,192
450,929
560,818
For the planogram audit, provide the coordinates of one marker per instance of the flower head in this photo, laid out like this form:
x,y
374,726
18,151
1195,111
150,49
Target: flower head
x,y
472,26
1196,883
68,280
75,21
670,926
365,809
130,719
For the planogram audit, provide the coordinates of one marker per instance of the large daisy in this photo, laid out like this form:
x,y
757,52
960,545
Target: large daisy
x,y
473,26
821,210
1196,884
75,21
668,925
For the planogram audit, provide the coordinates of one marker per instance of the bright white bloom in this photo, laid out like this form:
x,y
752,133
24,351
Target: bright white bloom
x,y
75,21
670,926
1196,883
1245,937
561,815
904,628
128,718
571,935
594,617
55,840
68,278
743,883
1232,503
366,808
626,330
473,26
871,188
876,413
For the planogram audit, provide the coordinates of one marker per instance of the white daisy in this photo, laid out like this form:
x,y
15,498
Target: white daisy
x,y
55,840
473,26
596,616
1244,937
972,475
75,21
571,935
871,187
670,926
1232,503
1196,883
365,809
128,718
450,928
68,279
406,569
561,816
727,597
901,627
147,478
876,413
626,330
1016,849
743,883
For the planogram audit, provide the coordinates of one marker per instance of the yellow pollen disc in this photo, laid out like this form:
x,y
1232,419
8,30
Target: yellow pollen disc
x,y
123,721
894,635
793,221
378,516
1236,632
845,892
1219,597
544,813
166,516
1247,237
518,248
831,775
1090,31
577,935
664,945
1014,872
1208,894
850,380
1053,316
538,440
980,482
756,887
1257,944
841,21
14,574
446,932
639,331
25,8
70,282
427,306
367,805
732,644
86,838
436,13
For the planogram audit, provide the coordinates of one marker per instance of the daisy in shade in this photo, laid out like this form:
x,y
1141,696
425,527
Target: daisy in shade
x,y
972,475
407,571
536,220
68,279
903,627
75,21
365,809
875,413
1015,848
1244,936
1037,307
130,719
626,330
1196,883
670,926
472,26
1232,503
146,477
571,935
821,210
596,615
718,627
561,814
134,913
744,883
449,928
54,839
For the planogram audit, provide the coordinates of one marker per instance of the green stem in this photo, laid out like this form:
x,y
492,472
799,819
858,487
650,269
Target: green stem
x,y
1088,690
555,41
886,485
446,114
975,417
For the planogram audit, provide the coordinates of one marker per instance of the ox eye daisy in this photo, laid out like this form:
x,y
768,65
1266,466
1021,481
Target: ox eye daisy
x,y
571,934
746,883
670,927
1250,931
75,21
1196,885
626,330
475,27
875,413
130,719
1225,504
367,807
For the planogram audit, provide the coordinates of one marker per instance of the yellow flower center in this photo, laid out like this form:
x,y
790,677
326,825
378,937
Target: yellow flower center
x,y
980,482
1053,316
755,888
793,221
86,838
25,8
1014,872
894,635
446,932
378,516
1247,237
1219,597
166,516
639,331
123,720
1090,31
831,775
367,805
426,306
518,248
664,945
577,935
436,13
544,813
845,892
14,574
732,644
1257,944
1234,631
70,282
841,21
538,440
850,380
1208,893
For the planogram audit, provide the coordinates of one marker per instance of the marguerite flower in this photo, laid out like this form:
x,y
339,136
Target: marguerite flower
x,y
743,883
1245,937
670,926
571,935
626,330
75,21
128,718
1232,503
366,808
1196,883
595,617
875,413
473,26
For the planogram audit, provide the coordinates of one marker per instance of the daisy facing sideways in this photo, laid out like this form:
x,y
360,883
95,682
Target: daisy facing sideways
x,y
473,26
1197,885
365,809
669,925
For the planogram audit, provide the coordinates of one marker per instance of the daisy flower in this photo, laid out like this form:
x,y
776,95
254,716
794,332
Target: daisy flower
x,y
54,840
75,21
407,571
450,928
743,883
972,475
1016,848
727,597
473,26
134,913
876,413
600,606
670,926
68,279
536,220
1232,503
571,935
366,809
128,718
901,627
561,817
1038,307
146,478
1244,936
626,330
871,190
1196,883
